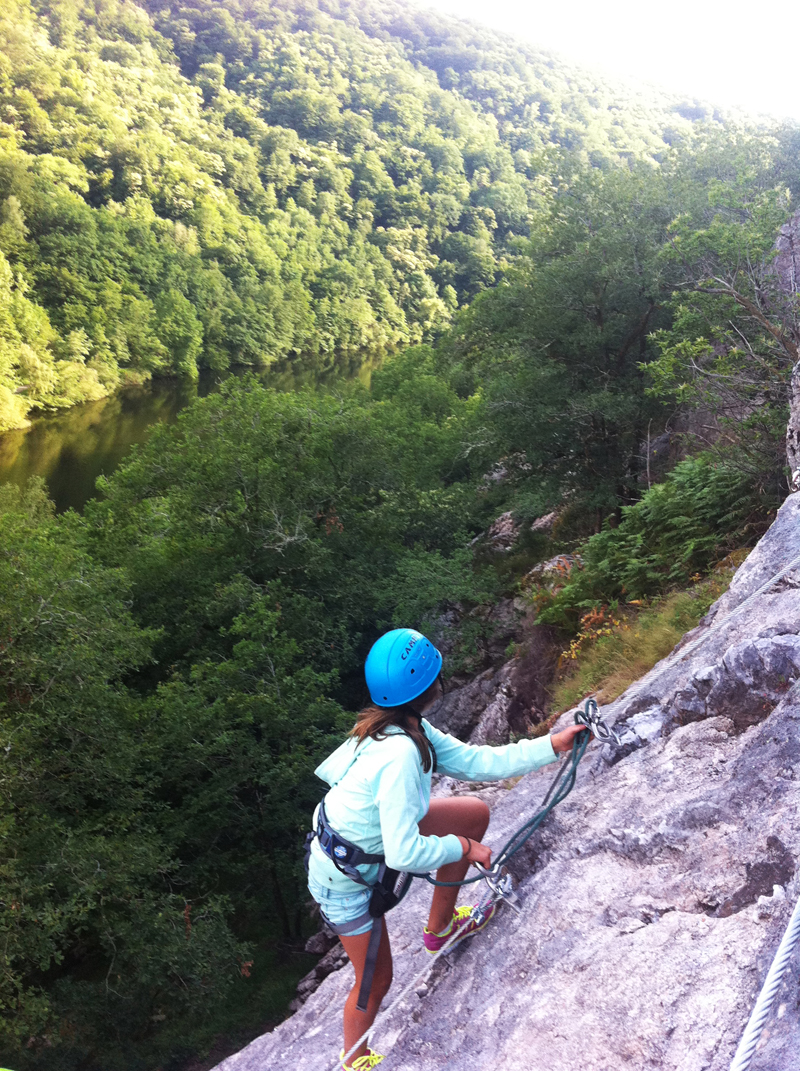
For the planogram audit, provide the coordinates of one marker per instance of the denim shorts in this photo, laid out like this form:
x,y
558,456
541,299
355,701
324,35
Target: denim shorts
x,y
340,908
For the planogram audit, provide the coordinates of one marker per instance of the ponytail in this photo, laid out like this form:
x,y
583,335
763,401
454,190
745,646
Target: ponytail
x,y
373,721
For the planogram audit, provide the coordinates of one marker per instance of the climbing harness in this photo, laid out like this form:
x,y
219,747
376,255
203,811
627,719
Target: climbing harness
x,y
387,891
763,1006
344,855
498,879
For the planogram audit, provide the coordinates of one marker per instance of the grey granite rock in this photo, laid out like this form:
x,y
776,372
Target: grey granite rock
x,y
654,897
462,707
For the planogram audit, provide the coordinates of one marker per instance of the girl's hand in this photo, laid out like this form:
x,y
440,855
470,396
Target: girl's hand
x,y
475,852
563,741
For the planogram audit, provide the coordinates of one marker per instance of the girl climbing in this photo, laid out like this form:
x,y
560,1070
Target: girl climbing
x,y
379,811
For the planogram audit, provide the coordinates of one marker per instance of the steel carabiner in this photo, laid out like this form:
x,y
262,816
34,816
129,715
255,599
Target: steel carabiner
x,y
501,887
590,717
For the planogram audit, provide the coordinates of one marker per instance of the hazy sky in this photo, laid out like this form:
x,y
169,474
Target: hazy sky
x,y
726,53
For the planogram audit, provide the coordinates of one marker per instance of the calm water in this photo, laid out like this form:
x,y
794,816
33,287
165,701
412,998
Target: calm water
x,y
71,448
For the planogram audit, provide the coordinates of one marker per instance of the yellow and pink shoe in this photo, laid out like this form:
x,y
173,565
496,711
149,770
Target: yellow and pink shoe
x,y
463,923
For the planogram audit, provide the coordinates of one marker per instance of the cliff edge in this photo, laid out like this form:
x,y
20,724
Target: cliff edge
x,y
654,897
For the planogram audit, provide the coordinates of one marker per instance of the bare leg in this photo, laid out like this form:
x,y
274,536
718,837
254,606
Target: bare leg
x,y
466,816
357,1023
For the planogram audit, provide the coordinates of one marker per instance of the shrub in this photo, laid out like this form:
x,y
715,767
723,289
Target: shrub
x,y
700,513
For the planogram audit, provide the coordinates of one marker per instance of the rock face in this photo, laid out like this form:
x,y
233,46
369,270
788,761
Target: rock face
x,y
654,897
499,702
502,533
793,430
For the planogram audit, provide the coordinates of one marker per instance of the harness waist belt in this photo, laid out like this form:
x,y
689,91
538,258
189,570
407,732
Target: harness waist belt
x,y
344,855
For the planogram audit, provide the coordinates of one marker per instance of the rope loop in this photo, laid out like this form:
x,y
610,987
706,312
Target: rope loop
x,y
562,785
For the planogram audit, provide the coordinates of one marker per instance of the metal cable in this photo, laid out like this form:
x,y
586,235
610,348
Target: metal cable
x,y
415,981
691,647
763,1007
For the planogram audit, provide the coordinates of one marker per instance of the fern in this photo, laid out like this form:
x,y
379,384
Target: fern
x,y
701,512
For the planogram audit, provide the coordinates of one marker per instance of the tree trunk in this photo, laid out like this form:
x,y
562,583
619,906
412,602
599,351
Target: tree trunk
x,y
793,431
280,905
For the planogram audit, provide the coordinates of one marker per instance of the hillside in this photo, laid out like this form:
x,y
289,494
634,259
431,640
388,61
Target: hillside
x,y
653,899
226,183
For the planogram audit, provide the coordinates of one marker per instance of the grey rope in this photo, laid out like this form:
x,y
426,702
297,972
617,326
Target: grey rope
x,y
684,652
758,1019
418,977
719,624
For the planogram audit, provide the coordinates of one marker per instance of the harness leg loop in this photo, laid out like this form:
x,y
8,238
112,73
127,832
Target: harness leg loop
x,y
370,963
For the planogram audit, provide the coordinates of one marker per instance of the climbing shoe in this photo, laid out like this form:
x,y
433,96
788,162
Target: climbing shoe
x,y
462,923
363,1063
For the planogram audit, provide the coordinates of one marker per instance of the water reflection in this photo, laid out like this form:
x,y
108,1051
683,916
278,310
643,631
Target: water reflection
x,y
71,448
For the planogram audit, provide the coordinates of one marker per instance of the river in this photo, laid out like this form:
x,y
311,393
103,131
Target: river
x,y
70,448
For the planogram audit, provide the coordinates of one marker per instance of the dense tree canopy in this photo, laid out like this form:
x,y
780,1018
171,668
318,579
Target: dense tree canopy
x,y
174,666
559,270
209,184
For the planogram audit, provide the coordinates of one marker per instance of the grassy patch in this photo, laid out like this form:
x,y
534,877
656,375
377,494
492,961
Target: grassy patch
x,y
631,647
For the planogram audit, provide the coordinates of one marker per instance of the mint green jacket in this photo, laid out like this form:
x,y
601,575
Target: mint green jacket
x,y
380,793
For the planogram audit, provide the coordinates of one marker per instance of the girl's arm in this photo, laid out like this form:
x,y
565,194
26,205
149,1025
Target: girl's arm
x,y
397,790
470,762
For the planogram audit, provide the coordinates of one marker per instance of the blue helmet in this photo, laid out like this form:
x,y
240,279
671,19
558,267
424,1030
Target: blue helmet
x,y
400,666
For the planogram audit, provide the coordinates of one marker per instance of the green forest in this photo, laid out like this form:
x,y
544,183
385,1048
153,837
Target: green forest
x,y
220,184
553,274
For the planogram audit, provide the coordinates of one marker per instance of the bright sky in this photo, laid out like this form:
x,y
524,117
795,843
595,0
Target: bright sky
x,y
725,52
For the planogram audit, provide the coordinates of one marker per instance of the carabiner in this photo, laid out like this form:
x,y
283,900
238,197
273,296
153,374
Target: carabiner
x,y
501,887
590,717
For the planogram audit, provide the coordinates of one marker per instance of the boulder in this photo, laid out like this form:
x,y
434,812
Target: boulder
x,y
502,533
654,897
545,523
552,573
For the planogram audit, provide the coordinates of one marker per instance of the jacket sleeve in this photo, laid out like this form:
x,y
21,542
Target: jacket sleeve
x,y
469,762
397,788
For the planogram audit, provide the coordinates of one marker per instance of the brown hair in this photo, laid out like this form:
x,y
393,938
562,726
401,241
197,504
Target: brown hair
x,y
374,721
